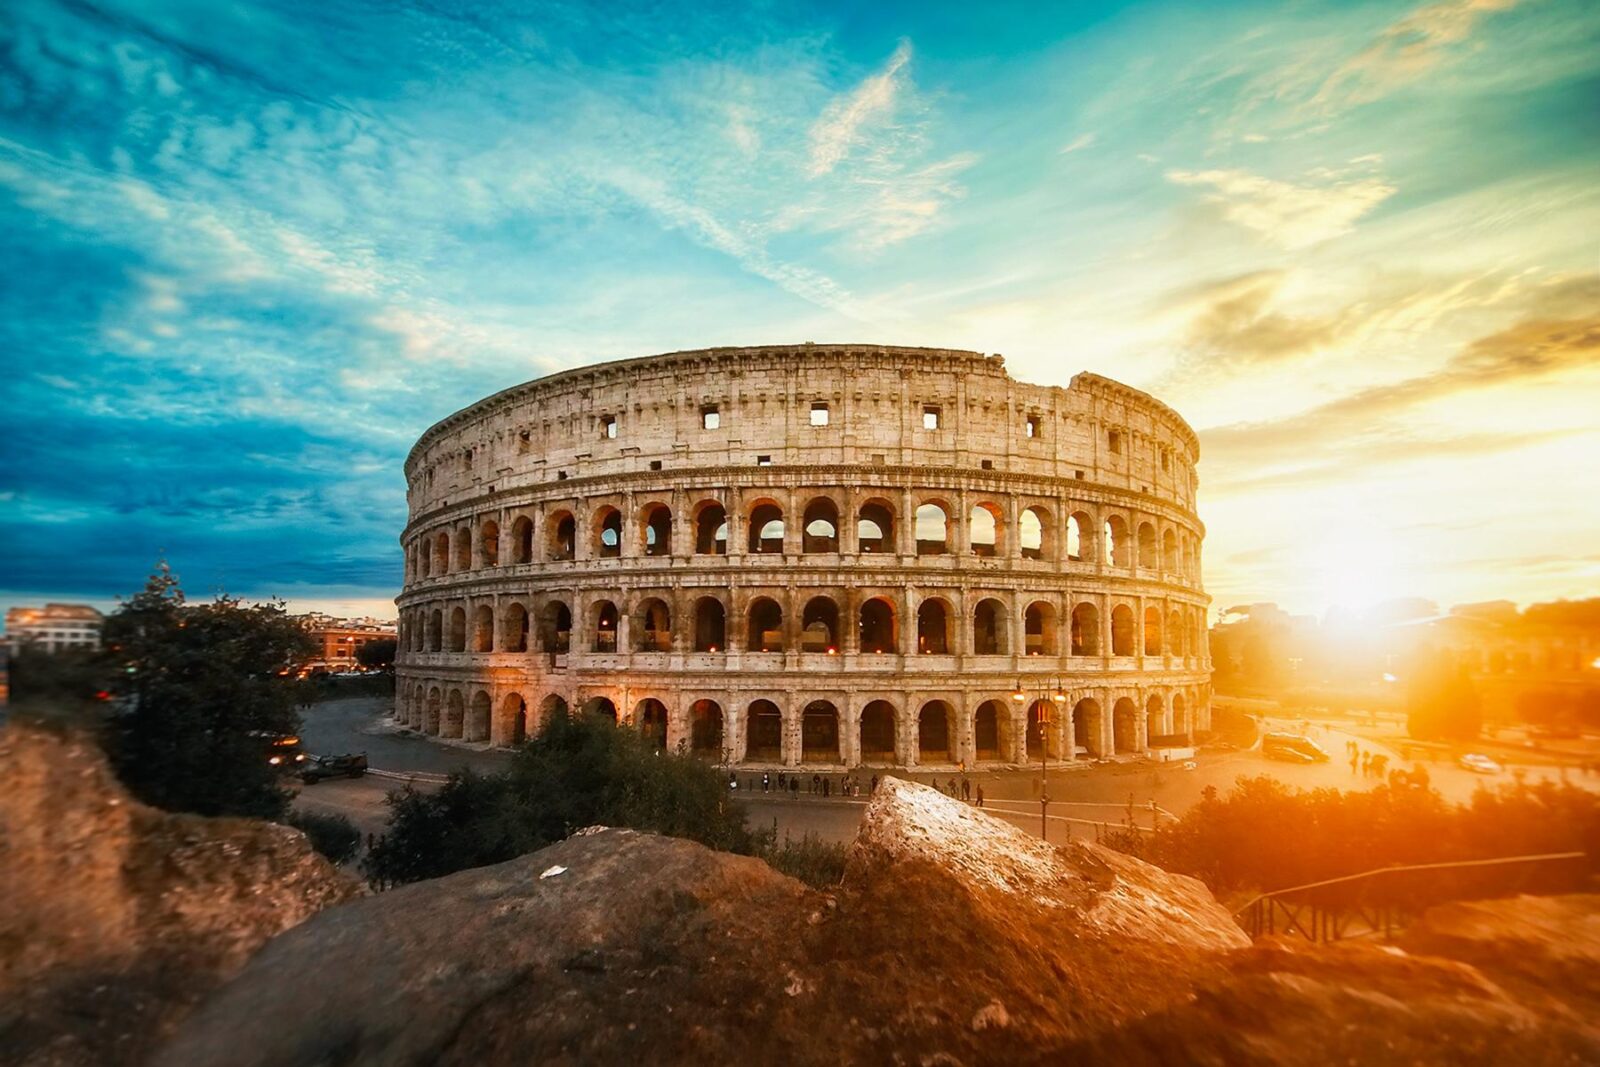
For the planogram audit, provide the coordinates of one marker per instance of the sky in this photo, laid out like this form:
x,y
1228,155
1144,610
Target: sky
x,y
252,251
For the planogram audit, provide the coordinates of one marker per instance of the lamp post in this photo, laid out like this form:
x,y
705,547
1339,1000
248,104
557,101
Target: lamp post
x,y
1048,694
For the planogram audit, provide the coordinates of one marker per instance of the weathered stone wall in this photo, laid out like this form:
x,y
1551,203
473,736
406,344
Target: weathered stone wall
x,y
562,549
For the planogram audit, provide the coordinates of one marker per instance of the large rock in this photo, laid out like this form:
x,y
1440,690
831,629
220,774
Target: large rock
x,y
115,917
955,939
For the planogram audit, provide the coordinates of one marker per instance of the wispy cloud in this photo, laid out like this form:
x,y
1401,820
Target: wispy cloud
x,y
1079,143
1285,213
847,118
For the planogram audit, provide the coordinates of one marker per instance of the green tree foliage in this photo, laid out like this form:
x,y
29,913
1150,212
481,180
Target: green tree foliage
x,y
69,682
379,653
335,836
201,694
580,771
1441,701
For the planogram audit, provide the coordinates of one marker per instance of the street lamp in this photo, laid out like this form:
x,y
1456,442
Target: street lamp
x,y
1047,694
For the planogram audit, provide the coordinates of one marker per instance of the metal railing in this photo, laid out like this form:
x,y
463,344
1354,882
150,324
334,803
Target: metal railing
x,y
1376,903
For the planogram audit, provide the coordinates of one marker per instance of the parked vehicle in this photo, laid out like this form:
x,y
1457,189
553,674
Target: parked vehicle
x,y
1292,747
346,766
1479,763
282,751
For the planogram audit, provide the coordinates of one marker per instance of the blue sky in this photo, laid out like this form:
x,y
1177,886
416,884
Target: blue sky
x,y
253,251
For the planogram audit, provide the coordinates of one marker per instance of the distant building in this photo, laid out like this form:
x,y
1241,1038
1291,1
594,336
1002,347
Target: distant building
x,y
55,627
338,639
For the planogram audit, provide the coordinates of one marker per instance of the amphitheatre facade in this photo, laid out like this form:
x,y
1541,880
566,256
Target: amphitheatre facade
x,y
828,555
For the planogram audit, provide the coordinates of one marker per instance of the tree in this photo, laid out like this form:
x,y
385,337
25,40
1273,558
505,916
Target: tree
x,y
72,681
379,653
202,692
1441,701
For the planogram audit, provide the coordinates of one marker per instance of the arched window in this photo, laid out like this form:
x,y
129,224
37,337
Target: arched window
x,y
522,540
1152,631
936,733
1175,634
1039,628
766,528
563,536
877,627
1169,552
1122,630
441,554
932,530
423,558
651,717
933,628
489,542
819,626
1148,557
458,630
820,527
1033,529
989,628
711,530
876,734
1180,715
1125,726
514,628
436,631
1086,727
705,729
875,527
600,708
710,625
1080,537
1044,730
765,626
657,528
1118,551
556,627
652,626
455,715
514,713
483,628
478,718
433,712
984,526
1154,718
608,533
604,614
991,731
819,733
463,549
763,732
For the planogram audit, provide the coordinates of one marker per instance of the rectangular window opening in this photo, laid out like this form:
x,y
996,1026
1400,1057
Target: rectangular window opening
x,y
763,461
655,464
819,413
988,464
608,426
930,416
710,417
561,476
1033,426
1114,440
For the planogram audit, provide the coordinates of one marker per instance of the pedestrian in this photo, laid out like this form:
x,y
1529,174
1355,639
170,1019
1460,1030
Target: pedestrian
x,y
966,789
1355,762
827,786
873,788
980,796
1366,764
766,781
794,787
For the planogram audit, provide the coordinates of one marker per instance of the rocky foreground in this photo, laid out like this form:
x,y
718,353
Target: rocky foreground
x,y
954,939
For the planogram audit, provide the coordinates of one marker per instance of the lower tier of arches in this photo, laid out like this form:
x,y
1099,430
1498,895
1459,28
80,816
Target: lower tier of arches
x,y
903,727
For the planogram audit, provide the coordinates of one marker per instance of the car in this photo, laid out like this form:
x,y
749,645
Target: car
x,y
1292,747
346,766
282,751
1478,763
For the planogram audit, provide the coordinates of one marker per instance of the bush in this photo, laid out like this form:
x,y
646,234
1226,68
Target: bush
x,y
812,860
580,771
335,836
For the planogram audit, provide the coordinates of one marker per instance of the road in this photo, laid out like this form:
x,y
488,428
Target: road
x,y
1082,798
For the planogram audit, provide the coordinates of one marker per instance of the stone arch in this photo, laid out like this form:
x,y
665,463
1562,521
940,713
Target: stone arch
x,y
819,626
463,548
705,729
1175,634
655,530
522,540
424,558
1039,629
489,543
601,707
433,713
764,625
561,541
555,627
604,623
763,732
1125,726
1149,555
766,527
1118,552
552,707
1085,634
991,732
436,630
650,717
607,532
875,527
819,733
1152,630
652,626
932,528
875,734
990,633
1044,730
483,628
1122,631
1035,533
514,714
1087,728
477,726
936,733
1155,717
1180,715
878,626
441,553
1080,537
710,529
933,627
819,526
986,530
1169,551
458,629
710,625
514,628
455,715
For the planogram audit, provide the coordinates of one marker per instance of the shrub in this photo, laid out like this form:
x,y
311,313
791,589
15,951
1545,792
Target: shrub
x,y
812,860
335,836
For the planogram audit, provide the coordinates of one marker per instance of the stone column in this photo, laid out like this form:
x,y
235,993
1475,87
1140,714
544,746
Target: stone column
x,y
793,521
907,534
959,539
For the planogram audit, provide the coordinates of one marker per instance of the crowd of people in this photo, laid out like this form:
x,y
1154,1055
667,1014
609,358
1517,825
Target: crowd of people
x,y
793,783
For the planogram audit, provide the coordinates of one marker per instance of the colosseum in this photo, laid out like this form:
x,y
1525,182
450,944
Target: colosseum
x,y
829,555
